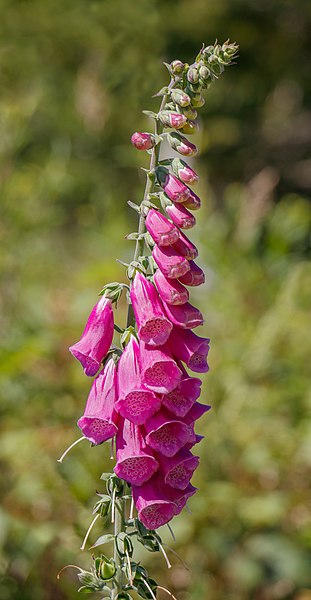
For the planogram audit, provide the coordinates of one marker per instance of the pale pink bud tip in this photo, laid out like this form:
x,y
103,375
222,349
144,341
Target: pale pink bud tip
x,y
172,264
96,338
172,119
153,325
143,141
182,145
163,232
184,172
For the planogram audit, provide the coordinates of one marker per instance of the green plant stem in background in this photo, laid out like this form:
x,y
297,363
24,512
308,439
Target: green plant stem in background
x,y
119,520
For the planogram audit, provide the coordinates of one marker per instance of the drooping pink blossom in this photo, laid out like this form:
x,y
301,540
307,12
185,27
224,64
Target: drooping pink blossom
x,y
152,503
166,434
190,348
180,400
135,462
184,172
185,315
96,338
143,140
172,264
170,290
153,326
185,247
181,216
177,470
172,186
196,440
181,497
159,371
194,277
163,232
172,119
99,421
181,144
135,401
196,412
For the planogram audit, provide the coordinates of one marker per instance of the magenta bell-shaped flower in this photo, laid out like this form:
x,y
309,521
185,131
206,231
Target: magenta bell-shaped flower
x,y
96,338
170,290
181,216
196,412
159,371
135,402
172,186
99,421
177,470
181,497
153,326
152,503
135,462
194,277
143,140
185,247
166,434
172,264
185,316
190,348
162,231
180,400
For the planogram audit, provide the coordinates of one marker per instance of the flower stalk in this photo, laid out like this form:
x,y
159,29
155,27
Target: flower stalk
x,y
142,395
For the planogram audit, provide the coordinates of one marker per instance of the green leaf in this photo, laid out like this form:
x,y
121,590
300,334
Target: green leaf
x,y
103,539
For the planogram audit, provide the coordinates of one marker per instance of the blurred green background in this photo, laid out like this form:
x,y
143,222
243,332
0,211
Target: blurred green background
x,y
74,78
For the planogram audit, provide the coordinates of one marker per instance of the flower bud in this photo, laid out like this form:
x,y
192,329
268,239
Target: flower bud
x,y
181,144
170,290
180,216
197,101
180,97
190,113
173,188
184,172
107,568
193,75
193,202
204,72
194,277
177,67
162,231
143,141
172,119
190,127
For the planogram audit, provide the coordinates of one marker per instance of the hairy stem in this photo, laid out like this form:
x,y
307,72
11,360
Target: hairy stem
x,y
154,159
119,518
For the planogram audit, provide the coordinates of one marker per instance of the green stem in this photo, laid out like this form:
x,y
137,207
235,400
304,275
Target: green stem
x,y
140,243
119,518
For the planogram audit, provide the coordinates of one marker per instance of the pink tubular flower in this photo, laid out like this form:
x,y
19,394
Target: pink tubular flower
x,y
190,348
185,247
172,119
196,412
181,216
184,172
172,264
180,400
166,434
159,371
153,326
178,470
143,141
194,277
135,402
181,497
135,463
96,338
162,231
172,186
152,504
193,202
170,290
197,439
185,316
99,421
181,144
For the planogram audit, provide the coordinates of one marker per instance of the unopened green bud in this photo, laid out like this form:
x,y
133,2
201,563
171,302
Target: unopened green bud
x,y
180,97
190,113
193,75
190,127
106,569
197,101
177,67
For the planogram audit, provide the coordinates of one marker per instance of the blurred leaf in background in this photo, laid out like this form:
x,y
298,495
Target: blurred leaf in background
x,y
74,78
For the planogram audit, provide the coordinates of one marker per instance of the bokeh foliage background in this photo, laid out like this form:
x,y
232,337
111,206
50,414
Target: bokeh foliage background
x,y
74,77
